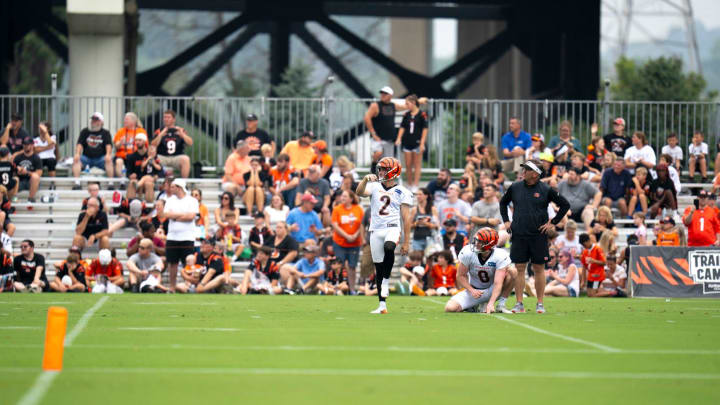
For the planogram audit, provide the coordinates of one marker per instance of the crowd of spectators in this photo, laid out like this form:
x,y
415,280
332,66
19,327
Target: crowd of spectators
x,y
309,228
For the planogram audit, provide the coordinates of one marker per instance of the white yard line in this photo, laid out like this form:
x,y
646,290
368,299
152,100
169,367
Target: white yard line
x,y
41,302
397,349
36,393
390,373
175,303
19,327
175,328
602,347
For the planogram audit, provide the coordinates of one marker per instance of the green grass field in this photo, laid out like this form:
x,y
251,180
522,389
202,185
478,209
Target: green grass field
x,y
152,349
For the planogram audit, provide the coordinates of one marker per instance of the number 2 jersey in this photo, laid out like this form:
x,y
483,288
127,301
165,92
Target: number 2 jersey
x,y
482,274
385,205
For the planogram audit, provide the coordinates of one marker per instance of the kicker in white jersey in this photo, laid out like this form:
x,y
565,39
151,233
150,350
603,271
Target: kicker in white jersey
x,y
482,274
385,205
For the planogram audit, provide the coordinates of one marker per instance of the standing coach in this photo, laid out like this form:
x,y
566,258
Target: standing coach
x,y
530,198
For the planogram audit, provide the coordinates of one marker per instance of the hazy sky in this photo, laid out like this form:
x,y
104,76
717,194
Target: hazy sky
x,y
706,11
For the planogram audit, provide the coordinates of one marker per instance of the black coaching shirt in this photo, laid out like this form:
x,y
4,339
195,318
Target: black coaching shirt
x,y
530,207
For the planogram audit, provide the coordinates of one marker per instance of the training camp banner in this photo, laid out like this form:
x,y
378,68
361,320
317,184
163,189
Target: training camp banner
x,y
685,272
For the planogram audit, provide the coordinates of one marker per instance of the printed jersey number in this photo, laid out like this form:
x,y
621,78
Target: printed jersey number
x,y
483,275
702,220
171,147
386,201
5,178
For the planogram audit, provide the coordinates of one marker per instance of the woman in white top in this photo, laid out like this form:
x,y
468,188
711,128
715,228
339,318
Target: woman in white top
x,y
45,147
343,166
566,282
537,147
640,154
569,240
277,211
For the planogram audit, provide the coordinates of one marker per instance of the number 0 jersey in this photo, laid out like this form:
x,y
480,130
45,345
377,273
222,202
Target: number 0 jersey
x,y
385,205
482,274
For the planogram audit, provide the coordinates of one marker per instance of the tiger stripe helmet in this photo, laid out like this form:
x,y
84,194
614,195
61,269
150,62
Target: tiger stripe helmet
x,y
392,166
485,239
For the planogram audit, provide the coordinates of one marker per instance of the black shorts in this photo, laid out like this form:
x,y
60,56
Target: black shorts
x,y
7,222
49,164
177,250
11,183
24,184
577,216
593,285
533,249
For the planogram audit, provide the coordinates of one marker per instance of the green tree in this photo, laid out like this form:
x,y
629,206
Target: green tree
x,y
34,62
660,79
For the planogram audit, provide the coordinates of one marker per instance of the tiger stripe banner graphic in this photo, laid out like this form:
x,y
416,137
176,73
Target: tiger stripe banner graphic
x,y
675,272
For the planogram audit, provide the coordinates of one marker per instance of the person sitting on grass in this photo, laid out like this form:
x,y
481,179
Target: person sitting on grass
x,y
593,261
70,276
442,275
306,273
370,287
259,233
565,280
139,264
615,280
190,274
105,274
262,275
336,279
218,271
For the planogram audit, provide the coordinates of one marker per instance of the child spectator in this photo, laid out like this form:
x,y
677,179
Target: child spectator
x,y
615,280
666,234
569,240
674,174
322,159
413,273
336,279
596,154
442,274
475,151
70,275
262,275
259,234
537,147
662,192
697,157
674,150
268,157
369,288
639,192
641,231
492,162
105,274
45,147
593,261
191,275
232,235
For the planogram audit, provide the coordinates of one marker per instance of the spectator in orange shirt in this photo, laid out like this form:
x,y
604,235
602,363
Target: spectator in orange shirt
x,y
301,152
666,234
443,274
124,141
593,261
702,221
109,267
323,159
236,165
285,179
347,236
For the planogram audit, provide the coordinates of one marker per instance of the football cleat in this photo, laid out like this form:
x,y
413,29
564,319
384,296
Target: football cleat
x,y
540,309
379,311
518,308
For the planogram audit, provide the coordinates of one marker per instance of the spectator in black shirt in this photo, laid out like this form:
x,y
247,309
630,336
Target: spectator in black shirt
x,y
8,172
253,136
438,187
14,134
452,240
170,143
617,142
412,135
259,234
285,248
29,169
143,169
30,269
94,149
92,226
662,191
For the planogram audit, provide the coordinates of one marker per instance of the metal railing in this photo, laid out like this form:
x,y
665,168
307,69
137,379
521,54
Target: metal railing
x,y
213,122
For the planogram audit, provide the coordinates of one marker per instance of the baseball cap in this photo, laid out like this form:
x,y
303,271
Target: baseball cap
x,y
530,165
667,220
16,117
322,145
104,257
180,183
4,151
311,249
308,197
141,137
388,90
450,222
538,137
135,208
619,121
308,134
259,215
251,117
27,141
547,156
97,115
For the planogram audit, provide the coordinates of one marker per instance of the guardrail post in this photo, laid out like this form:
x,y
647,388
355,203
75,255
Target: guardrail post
x,y
220,160
327,112
606,103
495,123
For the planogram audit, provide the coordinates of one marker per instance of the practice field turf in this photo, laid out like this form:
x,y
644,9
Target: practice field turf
x,y
153,349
